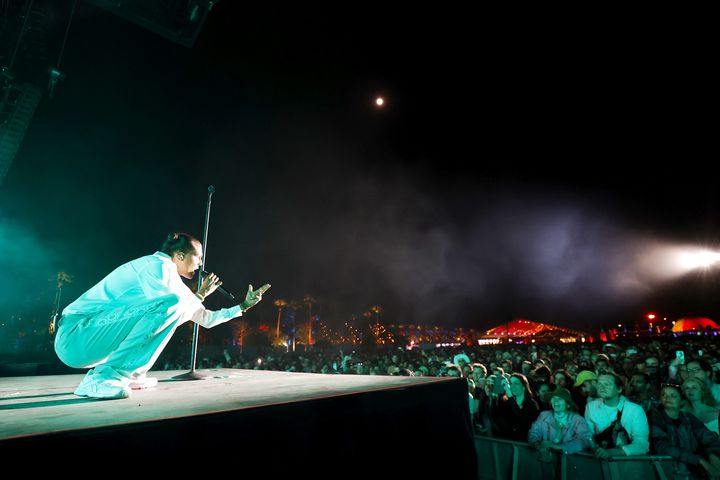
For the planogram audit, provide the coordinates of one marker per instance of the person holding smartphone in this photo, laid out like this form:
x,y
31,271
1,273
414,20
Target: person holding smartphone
x,y
680,355
512,412
496,385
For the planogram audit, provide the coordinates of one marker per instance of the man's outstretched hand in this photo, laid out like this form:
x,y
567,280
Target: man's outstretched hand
x,y
253,297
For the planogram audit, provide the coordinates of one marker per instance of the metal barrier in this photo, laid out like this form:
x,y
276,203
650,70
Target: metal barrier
x,y
503,460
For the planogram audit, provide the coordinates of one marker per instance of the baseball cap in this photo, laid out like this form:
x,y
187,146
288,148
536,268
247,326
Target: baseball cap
x,y
584,376
563,393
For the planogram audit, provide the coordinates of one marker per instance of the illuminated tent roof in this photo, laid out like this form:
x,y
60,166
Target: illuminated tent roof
x,y
520,327
698,323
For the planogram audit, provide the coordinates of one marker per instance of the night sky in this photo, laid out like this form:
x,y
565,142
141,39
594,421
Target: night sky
x,y
511,173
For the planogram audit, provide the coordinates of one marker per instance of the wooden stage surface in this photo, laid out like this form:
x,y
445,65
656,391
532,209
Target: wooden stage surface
x,y
44,404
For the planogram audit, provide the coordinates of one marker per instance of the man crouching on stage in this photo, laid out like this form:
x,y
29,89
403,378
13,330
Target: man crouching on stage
x,y
121,325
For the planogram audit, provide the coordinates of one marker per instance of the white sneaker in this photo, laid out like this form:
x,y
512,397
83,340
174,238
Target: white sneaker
x,y
97,386
143,382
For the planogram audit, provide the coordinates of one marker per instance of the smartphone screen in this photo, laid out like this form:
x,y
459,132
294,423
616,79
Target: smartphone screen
x,y
681,355
498,386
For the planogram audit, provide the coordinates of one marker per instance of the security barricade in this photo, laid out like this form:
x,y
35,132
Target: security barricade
x,y
504,460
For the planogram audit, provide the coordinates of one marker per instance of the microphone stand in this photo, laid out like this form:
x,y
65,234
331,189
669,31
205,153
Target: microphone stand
x,y
193,374
62,279
52,328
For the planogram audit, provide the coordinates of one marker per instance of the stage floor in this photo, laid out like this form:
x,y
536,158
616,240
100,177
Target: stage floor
x,y
43,404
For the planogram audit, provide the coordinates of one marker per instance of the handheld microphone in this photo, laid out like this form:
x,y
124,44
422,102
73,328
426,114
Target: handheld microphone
x,y
227,293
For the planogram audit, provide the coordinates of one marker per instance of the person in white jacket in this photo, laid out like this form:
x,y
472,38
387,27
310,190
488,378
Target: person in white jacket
x,y
621,423
121,325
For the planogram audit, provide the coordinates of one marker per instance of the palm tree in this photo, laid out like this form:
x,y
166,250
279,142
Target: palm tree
x,y
309,301
240,331
280,303
293,305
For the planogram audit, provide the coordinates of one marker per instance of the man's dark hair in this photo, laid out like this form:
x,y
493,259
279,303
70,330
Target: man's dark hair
x,y
179,242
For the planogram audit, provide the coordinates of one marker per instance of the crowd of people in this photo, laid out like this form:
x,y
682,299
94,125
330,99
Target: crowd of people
x,y
657,396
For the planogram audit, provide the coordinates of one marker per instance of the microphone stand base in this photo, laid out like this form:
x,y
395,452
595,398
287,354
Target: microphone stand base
x,y
191,375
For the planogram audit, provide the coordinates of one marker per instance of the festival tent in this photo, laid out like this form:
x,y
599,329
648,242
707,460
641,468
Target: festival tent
x,y
697,323
539,331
